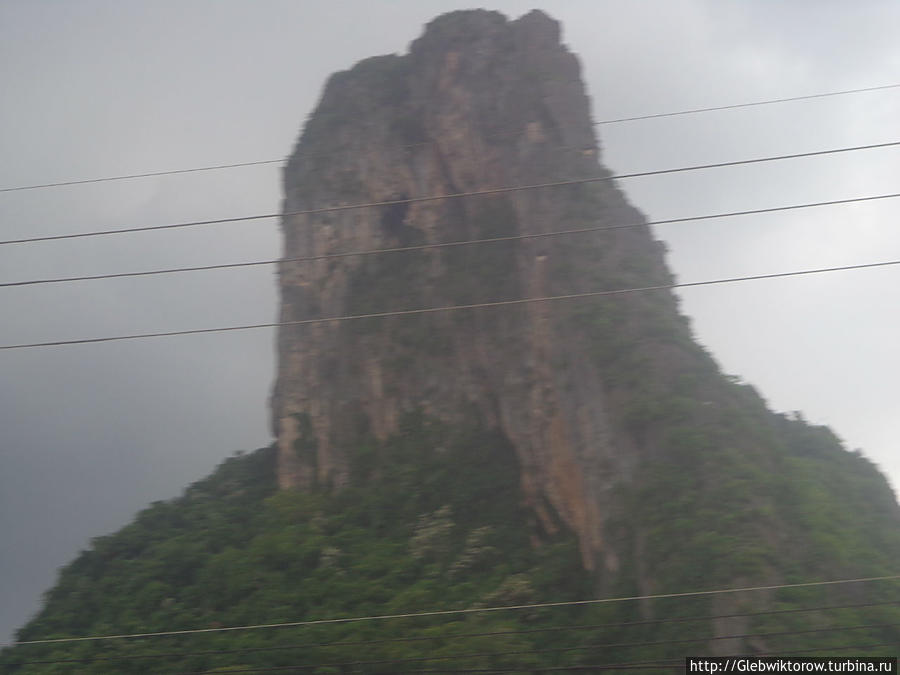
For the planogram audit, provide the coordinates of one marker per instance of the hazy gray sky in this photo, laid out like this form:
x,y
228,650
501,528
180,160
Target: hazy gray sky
x,y
92,433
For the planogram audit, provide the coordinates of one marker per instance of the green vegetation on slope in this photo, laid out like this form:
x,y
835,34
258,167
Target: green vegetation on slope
x,y
438,524
433,520
725,494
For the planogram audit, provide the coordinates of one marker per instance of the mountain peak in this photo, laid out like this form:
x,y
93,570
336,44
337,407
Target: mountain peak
x,y
478,103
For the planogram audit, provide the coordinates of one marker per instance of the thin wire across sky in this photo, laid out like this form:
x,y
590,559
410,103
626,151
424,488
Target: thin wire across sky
x,y
457,195
448,244
471,193
217,167
452,308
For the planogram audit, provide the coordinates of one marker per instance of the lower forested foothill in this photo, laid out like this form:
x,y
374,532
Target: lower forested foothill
x,y
433,519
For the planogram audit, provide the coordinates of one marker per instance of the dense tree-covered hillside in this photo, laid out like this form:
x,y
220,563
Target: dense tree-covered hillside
x,y
433,520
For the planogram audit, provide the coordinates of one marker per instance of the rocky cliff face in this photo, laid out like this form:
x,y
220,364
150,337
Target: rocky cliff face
x,y
479,102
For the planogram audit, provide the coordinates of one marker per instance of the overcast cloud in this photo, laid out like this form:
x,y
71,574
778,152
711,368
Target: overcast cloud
x,y
92,433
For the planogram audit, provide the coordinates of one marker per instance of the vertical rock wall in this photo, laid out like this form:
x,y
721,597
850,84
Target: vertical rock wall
x,y
479,102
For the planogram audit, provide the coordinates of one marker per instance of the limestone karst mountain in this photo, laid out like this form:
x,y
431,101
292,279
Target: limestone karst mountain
x,y
533,452
478,103
591,393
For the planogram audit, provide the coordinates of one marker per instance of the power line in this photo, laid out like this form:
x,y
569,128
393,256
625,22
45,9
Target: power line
x,y
457,195
459,636
554,650
422,247
747,105
235,165
449,308
457,612
149,174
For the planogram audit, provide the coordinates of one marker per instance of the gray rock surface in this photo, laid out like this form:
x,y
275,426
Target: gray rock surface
x,y
478,102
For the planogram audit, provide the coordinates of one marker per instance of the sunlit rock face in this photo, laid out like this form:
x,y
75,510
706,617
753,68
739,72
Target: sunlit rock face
x,y
479,102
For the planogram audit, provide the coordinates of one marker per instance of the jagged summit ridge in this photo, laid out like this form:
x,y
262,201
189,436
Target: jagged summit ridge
x,y
464,27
